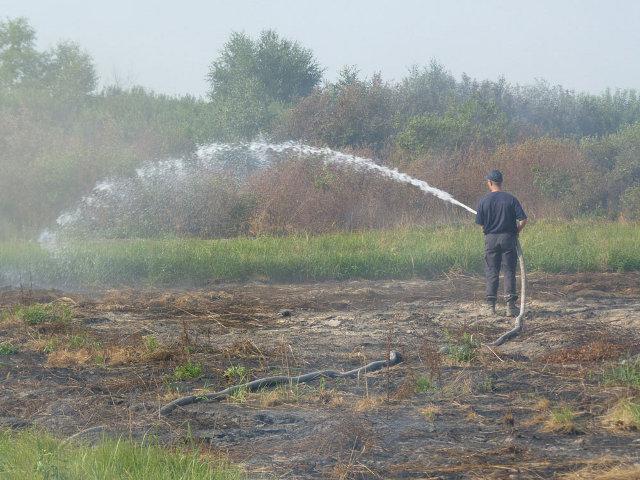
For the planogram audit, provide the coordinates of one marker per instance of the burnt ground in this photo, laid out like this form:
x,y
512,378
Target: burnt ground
x,y
434,416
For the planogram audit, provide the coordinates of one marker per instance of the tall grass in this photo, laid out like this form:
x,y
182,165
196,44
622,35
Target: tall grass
x,y
36,456
400,253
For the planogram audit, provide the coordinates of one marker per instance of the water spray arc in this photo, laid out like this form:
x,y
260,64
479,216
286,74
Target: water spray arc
x,y
110,196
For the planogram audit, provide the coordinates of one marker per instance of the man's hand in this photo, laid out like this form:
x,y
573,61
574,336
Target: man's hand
x,y
521,225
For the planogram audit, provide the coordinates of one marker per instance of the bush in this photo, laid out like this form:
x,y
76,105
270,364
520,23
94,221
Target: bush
x,y
630,203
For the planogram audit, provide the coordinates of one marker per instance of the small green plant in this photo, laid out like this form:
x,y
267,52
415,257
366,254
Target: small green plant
x,y
486,385
463,349
188,371
561,420
51,346
236,373
626,373
40,313
77,342
151,343
239,395
7,349
424,384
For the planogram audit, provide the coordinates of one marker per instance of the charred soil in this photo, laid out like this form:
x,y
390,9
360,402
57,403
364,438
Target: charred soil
x,y
538,407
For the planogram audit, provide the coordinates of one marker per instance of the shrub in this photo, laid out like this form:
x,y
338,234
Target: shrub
x,y
630,203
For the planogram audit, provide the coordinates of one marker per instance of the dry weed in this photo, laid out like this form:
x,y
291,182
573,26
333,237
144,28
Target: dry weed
x,y
619,472
430,411
625,415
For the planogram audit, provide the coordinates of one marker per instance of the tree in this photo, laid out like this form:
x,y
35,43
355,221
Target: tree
x,y
64,72
69,71
20,63
252,82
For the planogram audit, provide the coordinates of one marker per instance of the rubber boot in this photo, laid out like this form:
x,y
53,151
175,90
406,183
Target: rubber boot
x,y
490,309
512,309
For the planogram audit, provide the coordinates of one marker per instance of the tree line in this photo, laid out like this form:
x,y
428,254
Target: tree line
x,y
568,153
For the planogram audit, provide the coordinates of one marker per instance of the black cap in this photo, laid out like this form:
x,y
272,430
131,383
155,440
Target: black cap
x,y
494,176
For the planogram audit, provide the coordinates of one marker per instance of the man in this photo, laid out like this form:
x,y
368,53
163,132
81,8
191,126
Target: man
x,y
502,219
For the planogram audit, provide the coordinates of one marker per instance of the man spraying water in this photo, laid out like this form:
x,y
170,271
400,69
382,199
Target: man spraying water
x,y
502,219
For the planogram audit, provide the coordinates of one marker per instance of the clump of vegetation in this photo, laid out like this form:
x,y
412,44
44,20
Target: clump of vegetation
x,y
187,371
625,414
39,313
430,411
626,373
424,384
7,348
236,373
240,395
151,343
486,385
561,420
76,342
462,349
35,455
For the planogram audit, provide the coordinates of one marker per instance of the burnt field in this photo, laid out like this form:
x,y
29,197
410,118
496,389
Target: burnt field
x,y
560,401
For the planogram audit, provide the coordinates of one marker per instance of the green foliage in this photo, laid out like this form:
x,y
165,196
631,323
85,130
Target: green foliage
x,y
627,373
188,371
79,341
562,420
348,113
151,343
39,313
38,456
462,349
64,73
552,247
630,203
552,182
252,81
424,385
236,373
474,122
7,348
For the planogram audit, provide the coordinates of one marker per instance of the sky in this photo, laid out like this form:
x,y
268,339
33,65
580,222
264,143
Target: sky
x,y
167,46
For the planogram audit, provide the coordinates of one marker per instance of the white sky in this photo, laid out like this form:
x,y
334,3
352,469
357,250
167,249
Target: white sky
x,y
167,45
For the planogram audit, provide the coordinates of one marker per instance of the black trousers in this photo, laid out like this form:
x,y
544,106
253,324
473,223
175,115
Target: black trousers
x,y
500,252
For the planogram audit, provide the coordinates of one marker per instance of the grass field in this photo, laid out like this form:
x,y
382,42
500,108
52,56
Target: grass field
x,y
33,455
420,252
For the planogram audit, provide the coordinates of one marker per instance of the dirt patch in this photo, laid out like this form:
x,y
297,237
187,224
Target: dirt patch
x,y
478,412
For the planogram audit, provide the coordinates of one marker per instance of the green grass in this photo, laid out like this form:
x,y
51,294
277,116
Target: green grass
x,y
424,385
7,348
403,253
36,456
627,373
39,313
188,371
462,349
